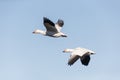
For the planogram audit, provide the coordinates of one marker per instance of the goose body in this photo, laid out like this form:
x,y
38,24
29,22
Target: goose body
x,y
52,29
79,53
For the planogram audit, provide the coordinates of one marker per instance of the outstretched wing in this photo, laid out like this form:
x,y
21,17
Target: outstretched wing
x,y
73,59
85,59
50,26
59,24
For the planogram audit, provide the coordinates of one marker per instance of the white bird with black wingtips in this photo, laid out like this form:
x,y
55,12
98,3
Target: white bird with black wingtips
x,y
79,53
52,29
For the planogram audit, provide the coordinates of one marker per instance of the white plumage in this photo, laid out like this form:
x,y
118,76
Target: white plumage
x,y
52,29
79,53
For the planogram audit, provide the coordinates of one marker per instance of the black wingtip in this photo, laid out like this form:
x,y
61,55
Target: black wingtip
x,y
69,64
60,22
85,59
45,18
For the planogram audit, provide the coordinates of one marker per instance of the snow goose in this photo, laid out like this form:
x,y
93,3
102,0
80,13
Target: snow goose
x,y
52,29
82,53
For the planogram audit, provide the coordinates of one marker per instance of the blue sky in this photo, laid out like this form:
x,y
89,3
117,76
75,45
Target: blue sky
x,y
92,24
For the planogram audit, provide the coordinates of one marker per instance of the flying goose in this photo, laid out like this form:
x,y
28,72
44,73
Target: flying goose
x,y
82,53
52,29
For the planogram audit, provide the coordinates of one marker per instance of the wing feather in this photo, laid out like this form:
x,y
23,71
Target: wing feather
x,y
50,26
73,59
85,59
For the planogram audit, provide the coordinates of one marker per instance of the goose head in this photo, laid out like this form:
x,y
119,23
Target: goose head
x,y
37,31
68,50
